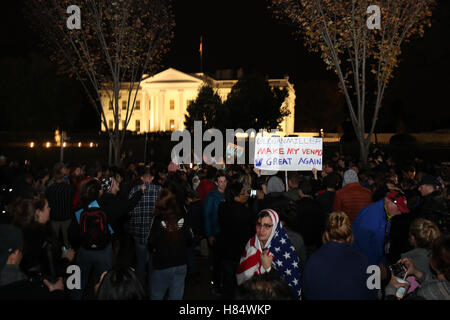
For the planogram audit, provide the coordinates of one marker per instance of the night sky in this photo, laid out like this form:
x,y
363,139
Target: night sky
x,y
245,34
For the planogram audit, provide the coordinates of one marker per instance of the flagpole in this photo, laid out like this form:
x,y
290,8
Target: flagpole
x,y
201,54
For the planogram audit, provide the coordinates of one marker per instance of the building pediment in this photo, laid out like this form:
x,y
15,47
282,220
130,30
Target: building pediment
x,y
172,75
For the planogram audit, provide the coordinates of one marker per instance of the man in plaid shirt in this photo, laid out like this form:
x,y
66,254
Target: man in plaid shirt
x,y
140,223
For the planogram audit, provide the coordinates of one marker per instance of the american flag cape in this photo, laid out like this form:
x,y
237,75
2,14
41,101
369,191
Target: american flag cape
x,y
285,259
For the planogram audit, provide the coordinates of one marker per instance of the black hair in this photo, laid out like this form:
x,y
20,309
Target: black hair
x,y
266,286
262,214
117,171
210,172
288,214
121,284
89,191
235,189
220,173
332,180
306,187
42,173
93,171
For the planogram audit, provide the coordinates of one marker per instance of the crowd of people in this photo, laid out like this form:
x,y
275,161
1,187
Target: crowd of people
x,y
135,232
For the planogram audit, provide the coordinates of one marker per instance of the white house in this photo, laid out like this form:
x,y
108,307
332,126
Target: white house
x,y
163,98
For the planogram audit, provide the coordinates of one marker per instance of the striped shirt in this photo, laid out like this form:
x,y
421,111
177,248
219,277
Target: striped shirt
x,y
59,197
141,216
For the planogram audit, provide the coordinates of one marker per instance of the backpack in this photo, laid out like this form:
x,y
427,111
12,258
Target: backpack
x,y
94,232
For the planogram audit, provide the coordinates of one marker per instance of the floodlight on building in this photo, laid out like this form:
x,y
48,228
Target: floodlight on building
x,y
48,144
79,144
31,144
91,144
64,144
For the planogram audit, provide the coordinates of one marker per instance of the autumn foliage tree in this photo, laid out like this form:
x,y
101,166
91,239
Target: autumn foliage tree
x,y
117,43
362,57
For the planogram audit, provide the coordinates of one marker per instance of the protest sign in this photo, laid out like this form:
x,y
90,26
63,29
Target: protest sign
x,y
288,153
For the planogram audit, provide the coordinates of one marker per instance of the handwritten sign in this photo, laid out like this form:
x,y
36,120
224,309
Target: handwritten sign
x,y
289,153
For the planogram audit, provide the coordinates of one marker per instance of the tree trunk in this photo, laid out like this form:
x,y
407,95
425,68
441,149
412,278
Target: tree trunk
x,y
117,146
364,151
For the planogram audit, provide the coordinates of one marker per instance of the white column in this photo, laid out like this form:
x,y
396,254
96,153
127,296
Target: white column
x,y
157,113
144,112
152,111
179,125
162,108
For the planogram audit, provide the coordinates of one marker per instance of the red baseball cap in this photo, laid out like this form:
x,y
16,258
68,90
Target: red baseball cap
x,y
399,199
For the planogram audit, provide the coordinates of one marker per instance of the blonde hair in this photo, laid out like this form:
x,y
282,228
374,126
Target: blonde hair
x,y
338,228
425,232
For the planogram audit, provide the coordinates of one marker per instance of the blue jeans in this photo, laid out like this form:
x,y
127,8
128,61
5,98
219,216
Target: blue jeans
x,y
100,260
143,264
171,278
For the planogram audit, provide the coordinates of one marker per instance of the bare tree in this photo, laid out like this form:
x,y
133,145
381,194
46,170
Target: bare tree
x,y
119,41
362,57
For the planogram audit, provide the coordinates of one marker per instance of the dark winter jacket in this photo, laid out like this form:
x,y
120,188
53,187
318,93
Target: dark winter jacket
x,y
433,207
311,221
237,226
167,252
115,207
42,252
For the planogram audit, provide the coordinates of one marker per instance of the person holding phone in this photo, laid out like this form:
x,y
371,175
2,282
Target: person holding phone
x,y
432,287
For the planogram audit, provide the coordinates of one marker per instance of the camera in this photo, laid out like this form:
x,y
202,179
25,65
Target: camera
x,y
399,270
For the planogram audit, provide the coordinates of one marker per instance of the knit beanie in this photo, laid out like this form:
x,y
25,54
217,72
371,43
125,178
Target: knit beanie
x,y
275,184
350,176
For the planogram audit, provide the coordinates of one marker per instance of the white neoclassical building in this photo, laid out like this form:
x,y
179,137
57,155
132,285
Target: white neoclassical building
x,y
162,101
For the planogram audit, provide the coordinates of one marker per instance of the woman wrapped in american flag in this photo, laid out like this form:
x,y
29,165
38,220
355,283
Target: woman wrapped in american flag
x,y
270,248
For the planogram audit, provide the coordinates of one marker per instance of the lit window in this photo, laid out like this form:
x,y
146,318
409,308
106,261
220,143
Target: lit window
x,y
138,125
172,124
172,104
138,105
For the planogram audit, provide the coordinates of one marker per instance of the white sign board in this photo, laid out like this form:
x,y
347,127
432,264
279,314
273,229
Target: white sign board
x,y
288,153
